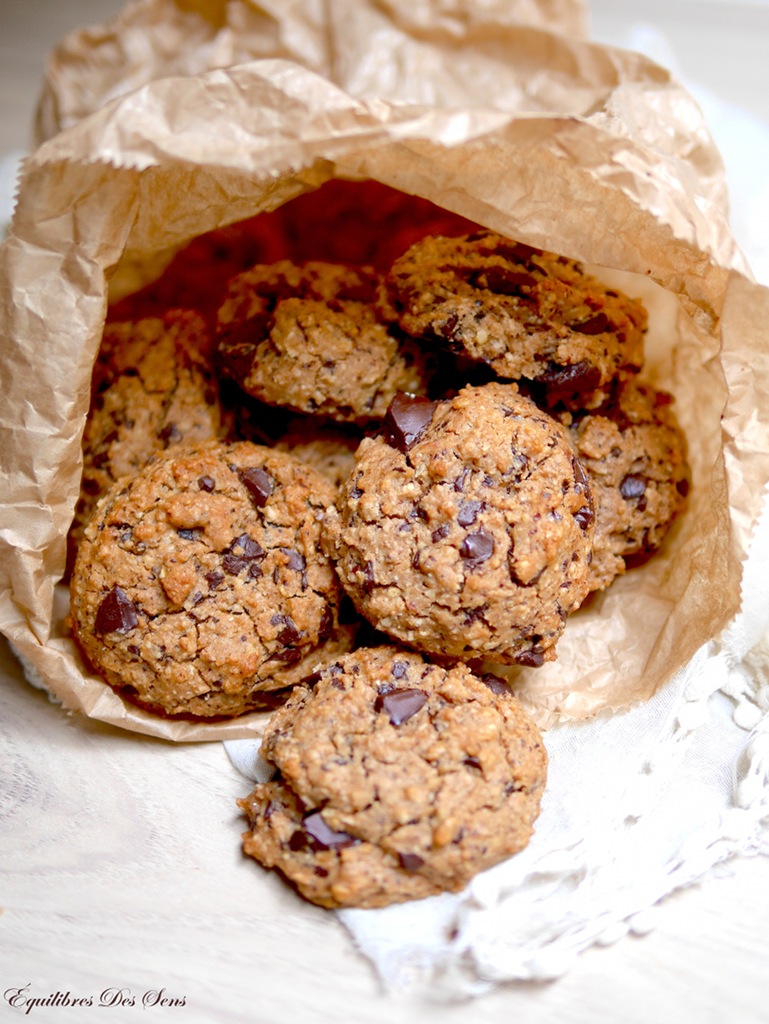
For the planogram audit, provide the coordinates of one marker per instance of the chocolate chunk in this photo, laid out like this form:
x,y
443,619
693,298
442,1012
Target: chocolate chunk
x,y
400,705
495,684
449,326
272,807
635,559
237,342
532,658
214,579
502,281
517,252
598,324
519,466
243,552
289,635
410,861
461,480
477,547
251,548
288,656
632,486
584,517
682,486
439,534
258,483
326,627
290,632
468,512
580,476
576,377
206,483
322,837
475,614
299,841
295,560
406,420
234,564
369,579
170,434
280,288
116,614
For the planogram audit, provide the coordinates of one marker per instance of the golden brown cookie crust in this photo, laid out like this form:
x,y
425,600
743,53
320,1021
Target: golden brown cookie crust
x,y
634,453
200,583
308,338
470,536
526,313
397,780
153,386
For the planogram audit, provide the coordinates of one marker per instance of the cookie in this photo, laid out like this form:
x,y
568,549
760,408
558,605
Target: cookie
x,y
526,313
152,386
200,584
634,453
466,527
307,338
329,450
397,779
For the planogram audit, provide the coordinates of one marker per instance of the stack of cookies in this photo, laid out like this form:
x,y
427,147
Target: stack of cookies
x,y
344,493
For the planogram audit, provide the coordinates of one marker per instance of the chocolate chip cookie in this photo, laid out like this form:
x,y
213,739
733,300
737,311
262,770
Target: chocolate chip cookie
x,y
307,337
634,453
200,584
526,313
466,527
152,387
397,779
328,449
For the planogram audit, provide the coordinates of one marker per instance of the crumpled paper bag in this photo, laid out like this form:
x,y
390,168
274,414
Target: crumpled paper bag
x,y
578,148
393,49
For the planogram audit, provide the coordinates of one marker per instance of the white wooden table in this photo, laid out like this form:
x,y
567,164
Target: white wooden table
x,y
120,869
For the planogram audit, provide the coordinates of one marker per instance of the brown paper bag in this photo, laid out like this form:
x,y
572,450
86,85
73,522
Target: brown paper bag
x,y
573,147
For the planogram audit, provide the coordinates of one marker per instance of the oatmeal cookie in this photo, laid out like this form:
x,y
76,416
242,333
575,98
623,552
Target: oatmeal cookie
x,y
634,453
152,387
397,779
466,527
307,337
526,313
200,583
328,449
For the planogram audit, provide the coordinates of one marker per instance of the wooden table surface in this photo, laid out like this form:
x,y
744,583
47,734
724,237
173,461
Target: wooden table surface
x,y
120,869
